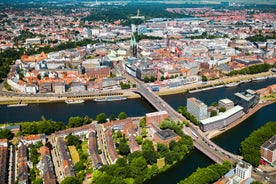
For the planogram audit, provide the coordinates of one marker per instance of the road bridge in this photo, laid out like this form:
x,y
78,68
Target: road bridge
x,y
201,142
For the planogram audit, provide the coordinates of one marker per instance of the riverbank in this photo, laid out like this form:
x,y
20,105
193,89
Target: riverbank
x,y
213,133
196,87
212,84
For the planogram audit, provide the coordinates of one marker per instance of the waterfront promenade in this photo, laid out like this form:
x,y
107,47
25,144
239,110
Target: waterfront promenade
x,y
8,97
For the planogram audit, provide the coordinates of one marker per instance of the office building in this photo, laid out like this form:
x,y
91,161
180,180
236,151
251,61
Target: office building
x,y
197,108
222,120
228,104
247,99
243,170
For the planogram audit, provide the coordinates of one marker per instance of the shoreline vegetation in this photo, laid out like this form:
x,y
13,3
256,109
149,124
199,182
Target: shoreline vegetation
x,y
211,84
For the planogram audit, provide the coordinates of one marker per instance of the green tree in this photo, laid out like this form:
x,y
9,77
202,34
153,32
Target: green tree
x,y
71,180
123,148
146,79
75,122
122,115
139,139
112,117
214,104
38,76
6,134
137,166
101,118
142,122
204,78
72,140
213,113
222,109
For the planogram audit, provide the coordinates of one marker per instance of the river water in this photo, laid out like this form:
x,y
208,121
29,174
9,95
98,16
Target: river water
x,y
230,140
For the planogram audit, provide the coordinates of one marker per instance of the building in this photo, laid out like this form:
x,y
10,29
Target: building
x,y
197,108
247,99
66,162
268,150
93,150
33,139
241,174
165,136
222,120
33,41
59,87
243,170
46,166
4,160
22,165
113,156
226,103
156,117
78,87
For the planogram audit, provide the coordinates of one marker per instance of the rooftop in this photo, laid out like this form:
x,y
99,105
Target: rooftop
x,y
270,144
222,116
166,134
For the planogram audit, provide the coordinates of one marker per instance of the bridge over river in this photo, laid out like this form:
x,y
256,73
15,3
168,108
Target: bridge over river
x,y
201,142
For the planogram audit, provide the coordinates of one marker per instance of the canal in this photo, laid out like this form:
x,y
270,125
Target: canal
x,y
138,107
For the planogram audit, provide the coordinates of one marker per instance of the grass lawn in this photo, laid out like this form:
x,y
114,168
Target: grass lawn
x,y
74,154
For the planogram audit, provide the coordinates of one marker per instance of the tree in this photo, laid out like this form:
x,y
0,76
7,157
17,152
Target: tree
x,y
122,115
139,139
6,134
222,109
214,104
101,118
146,79
75,122
38,76
123,148
142,123
152,79
112,117
137,166
204,78
213,113
71,180
79,166
72,140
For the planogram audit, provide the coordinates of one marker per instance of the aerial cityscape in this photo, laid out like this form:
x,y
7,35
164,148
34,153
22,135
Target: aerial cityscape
x,y
134,91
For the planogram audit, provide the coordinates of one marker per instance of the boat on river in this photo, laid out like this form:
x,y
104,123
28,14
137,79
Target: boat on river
x,y
110,98
232,84
17,105
259,78
73,101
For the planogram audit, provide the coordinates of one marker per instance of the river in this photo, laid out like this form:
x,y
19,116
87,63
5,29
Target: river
x,y
230,140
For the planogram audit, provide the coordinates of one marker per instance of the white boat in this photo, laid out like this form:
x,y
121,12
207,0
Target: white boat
x,y
73,101
232,84
17,105
109,99
245,81
259,78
